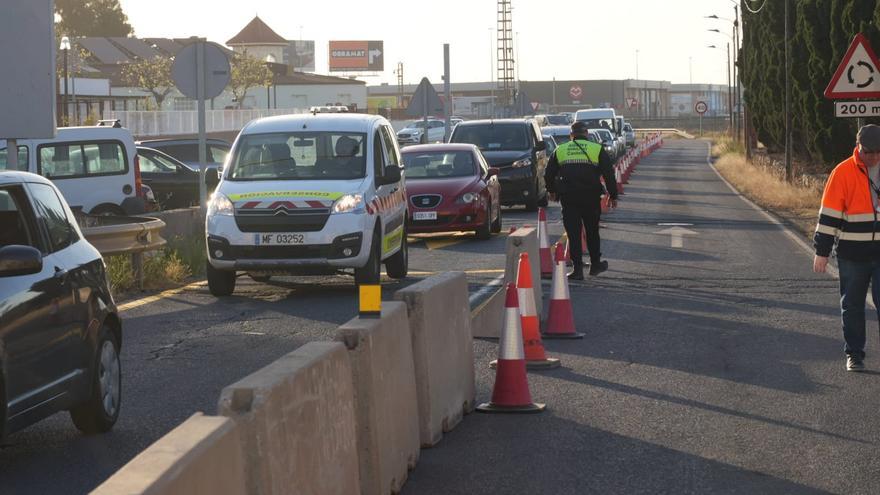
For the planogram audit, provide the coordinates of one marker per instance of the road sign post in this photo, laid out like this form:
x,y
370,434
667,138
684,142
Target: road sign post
x,y
201,71
701,107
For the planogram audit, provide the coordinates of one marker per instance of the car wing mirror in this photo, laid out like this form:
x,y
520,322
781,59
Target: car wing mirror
x,y
493,171
20,260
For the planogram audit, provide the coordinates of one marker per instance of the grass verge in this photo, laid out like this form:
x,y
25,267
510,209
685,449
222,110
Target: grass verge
x,y
180,260
797,204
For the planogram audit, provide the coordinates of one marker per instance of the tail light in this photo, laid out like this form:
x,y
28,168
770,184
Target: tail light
x,y
138,184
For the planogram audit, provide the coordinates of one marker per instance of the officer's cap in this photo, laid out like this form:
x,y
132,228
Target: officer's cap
x,y
869,137
581,129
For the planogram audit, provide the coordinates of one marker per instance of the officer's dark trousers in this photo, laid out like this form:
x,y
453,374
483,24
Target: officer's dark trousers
x,y
584,211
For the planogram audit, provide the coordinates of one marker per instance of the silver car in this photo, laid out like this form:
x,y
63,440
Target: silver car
x,y
630,135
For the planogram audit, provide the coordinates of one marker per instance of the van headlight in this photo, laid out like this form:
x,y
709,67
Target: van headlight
x,y
220,205
524,162
350,203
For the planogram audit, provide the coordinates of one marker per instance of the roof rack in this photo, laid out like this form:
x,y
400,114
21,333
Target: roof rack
x,y
114,123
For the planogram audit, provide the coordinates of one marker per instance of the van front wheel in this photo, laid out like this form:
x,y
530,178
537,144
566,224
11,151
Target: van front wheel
x,y
220,283
397,265
370,272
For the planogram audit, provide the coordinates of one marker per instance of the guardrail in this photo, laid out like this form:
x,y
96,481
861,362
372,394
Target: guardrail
x,y
664,130
113,235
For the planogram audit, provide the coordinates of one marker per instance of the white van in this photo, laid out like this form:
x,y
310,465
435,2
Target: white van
x,y
598,118
309,194
93,167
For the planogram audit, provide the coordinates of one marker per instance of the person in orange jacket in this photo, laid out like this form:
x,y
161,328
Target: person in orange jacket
x,y
849,215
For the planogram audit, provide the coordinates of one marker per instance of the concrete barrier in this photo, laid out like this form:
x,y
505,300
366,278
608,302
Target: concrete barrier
x,y
202,455
443,352
487,318
385,397
296,419
184,222
525,240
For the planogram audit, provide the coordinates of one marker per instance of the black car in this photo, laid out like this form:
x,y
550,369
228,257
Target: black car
x,y
174,184
60,333
187,150
515,146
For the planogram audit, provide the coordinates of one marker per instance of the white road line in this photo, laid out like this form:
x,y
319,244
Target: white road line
x,y
489,287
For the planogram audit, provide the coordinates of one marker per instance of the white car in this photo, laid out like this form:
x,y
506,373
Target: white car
x,y
309,194
415,132
95,168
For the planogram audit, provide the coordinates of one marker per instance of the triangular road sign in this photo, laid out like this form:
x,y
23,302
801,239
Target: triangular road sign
x,y
858,75
425,93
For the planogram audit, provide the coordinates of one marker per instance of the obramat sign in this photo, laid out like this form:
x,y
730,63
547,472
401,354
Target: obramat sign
x,y
357,56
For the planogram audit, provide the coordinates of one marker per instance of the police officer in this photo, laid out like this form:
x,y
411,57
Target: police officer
x,y
572,176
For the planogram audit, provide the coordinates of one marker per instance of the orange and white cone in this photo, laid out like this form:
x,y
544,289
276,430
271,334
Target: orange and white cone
x,y
536,358
544,245
511,391
560,320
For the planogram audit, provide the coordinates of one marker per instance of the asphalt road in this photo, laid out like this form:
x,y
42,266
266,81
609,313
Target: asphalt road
x,y
716,367
179,352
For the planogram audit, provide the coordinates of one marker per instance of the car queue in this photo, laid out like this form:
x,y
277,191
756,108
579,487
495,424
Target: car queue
x,y
306,194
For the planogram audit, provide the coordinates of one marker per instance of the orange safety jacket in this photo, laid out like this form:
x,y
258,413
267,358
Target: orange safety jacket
x,y
848,214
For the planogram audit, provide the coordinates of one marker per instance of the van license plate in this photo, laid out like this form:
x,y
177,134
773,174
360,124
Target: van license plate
x,y
278,239
425,215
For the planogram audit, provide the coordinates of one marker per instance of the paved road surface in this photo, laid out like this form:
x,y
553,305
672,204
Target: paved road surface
x,y
179,352
712,368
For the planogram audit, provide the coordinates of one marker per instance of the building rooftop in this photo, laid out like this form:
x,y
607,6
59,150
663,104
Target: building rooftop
x,y
257,33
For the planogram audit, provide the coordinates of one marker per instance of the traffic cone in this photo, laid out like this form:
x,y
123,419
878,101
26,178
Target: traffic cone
x,y
544,245
511,391
560,320
536,358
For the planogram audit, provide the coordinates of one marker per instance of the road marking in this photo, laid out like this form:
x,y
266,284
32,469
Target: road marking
x,y
162,295
677,235
495,282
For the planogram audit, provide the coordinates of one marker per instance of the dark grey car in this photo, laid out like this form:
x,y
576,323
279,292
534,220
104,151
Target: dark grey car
x,y
60,334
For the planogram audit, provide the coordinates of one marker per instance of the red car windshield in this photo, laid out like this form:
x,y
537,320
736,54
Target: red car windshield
x,y
439,165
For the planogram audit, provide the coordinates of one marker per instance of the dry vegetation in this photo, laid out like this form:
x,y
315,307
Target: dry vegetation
x,y
796,203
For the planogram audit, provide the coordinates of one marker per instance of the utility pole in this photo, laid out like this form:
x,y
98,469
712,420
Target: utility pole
x,y
787,97
736,80
729,92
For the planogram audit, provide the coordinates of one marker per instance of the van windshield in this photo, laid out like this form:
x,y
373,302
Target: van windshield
x,y
328,155
599,123
493,137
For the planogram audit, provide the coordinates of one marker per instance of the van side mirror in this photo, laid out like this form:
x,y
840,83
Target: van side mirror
x,y
540,146
20,260
392,174
493,171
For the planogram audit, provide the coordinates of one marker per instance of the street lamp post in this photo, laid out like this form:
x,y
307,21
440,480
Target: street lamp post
x,y
65,47
270,59
729,91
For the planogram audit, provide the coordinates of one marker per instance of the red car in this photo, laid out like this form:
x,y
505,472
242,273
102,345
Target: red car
x,y
451,188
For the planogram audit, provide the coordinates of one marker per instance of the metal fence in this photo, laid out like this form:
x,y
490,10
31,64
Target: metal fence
x,y
175,122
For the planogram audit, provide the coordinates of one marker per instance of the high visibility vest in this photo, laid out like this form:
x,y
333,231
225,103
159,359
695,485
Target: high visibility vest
x,y
580,152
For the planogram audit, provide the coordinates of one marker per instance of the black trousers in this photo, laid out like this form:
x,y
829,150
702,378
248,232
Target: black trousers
x,y
576,213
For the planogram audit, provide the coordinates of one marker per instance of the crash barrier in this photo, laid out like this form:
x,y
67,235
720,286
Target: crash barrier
x,y
443,352
117,235
523,240
296,419
330,417
386,407
664,130
199,456
183,222
486,319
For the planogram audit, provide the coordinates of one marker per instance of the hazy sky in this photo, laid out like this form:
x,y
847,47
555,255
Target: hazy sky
x,y
671,36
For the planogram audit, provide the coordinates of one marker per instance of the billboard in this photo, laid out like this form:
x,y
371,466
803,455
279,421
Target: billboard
x,y
299,55
357,56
